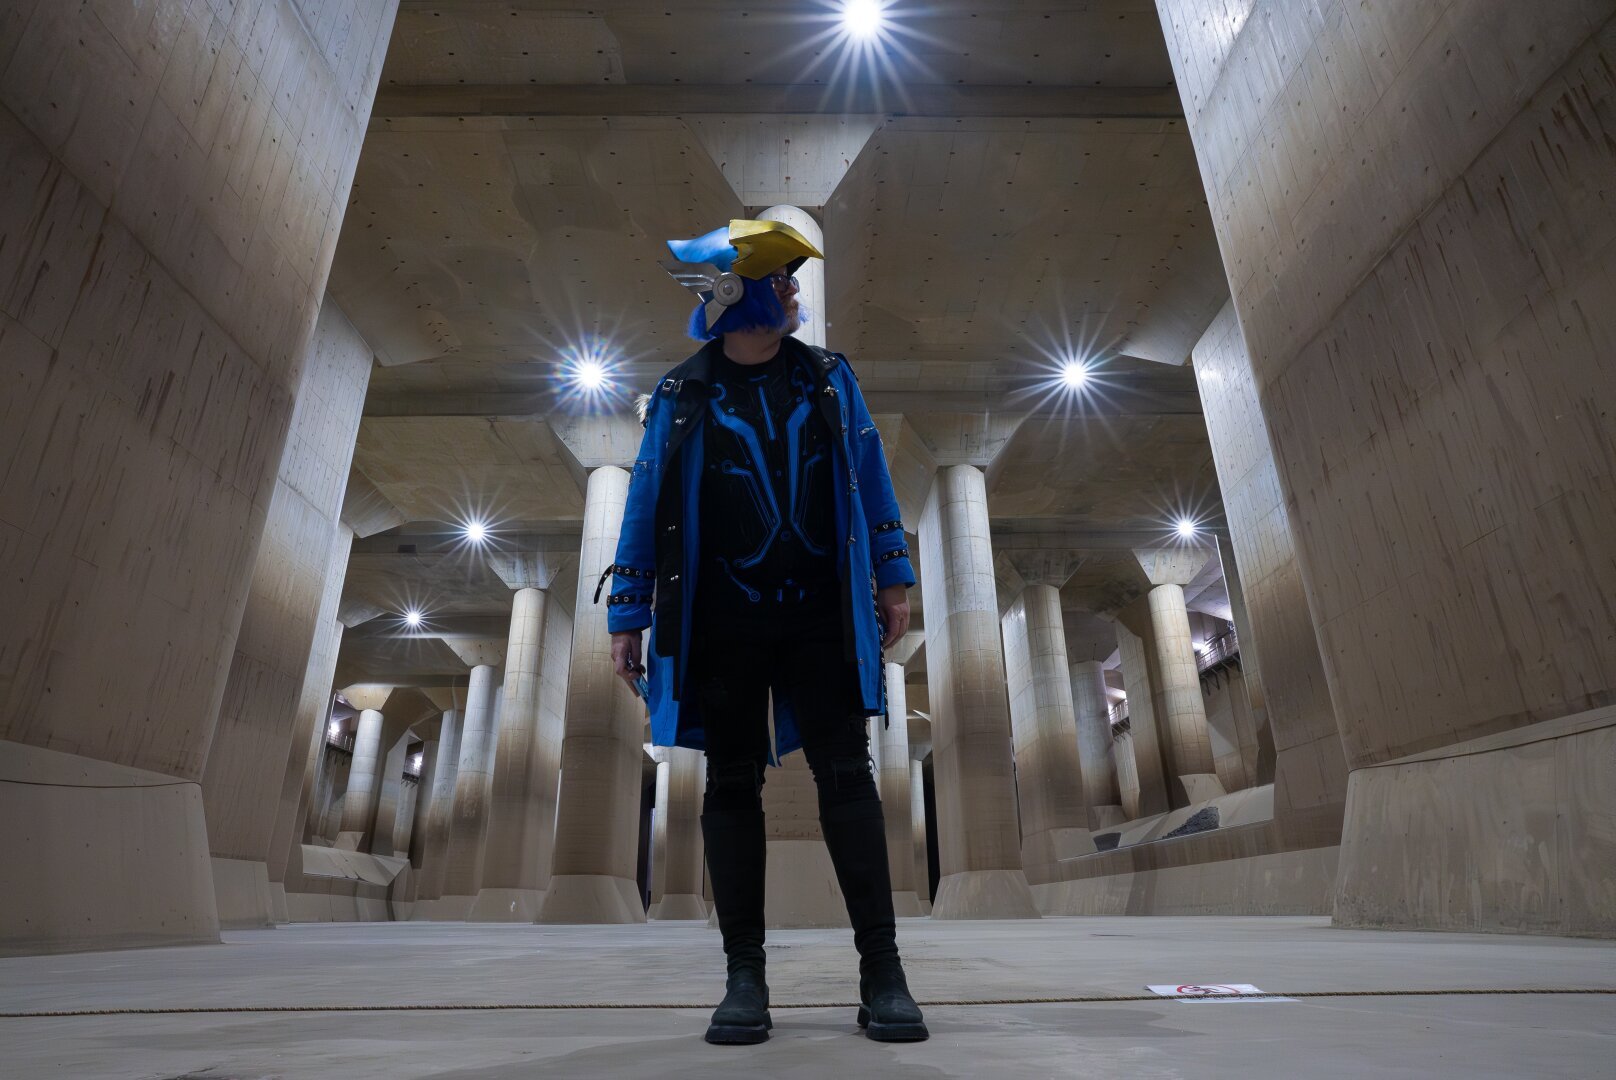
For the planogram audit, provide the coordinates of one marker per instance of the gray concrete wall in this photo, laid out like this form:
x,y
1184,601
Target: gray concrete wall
x,y
1411,204
175,177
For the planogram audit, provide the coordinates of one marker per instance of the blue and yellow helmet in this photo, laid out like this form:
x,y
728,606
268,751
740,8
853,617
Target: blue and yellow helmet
x,y
714,265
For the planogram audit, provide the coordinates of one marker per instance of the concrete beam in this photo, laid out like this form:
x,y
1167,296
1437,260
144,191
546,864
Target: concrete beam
x,y
596,100
1144,394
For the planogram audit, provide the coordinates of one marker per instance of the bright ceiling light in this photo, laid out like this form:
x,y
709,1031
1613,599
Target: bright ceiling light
x,y
862,19
1074,373
476,532
412,617
591,375
1187,528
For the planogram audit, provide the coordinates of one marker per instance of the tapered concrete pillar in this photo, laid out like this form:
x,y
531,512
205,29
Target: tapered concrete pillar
x,y
1180,708
1141,779
889,749
463,862
659,828
1091,708
1448,489
1049,778
359,803
1128,783
527,758
390,809
176,239
424,790
979,843
307,751
917,842
597,819
679,825
409,792
292,582
435,840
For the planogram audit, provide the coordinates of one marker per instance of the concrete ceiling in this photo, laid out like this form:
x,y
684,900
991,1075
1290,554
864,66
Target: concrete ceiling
x,y
1017,187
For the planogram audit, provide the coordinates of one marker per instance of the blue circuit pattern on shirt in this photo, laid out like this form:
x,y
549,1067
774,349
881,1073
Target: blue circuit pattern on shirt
x,y
767,508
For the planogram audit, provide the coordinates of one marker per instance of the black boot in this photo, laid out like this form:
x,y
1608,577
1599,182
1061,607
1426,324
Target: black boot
x,y
855,835
736,850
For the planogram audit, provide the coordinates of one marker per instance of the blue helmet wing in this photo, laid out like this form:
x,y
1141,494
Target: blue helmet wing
x,y
714,247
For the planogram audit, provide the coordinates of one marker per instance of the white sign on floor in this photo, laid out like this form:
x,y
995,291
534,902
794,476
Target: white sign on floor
x,y
1198,992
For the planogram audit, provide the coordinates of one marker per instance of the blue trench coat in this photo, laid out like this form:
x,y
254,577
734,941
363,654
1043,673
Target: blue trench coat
x,y
658,553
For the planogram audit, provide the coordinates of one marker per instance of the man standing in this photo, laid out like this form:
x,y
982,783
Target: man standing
x,y
761,543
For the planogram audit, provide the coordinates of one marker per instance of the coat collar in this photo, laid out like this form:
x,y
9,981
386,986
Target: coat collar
x,y
699,367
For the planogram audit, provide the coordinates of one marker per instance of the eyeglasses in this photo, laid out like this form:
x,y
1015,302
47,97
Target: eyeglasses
x,y
783,281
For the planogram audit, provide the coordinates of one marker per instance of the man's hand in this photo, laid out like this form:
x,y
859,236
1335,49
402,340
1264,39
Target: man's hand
x,y
626,653
893,604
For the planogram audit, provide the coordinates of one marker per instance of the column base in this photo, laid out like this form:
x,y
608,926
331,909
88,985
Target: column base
x,y
679,906
984,894
506,905
800,889
72,880
591,899
1102,818
1199,787
452,908
241,893
277,903
906,905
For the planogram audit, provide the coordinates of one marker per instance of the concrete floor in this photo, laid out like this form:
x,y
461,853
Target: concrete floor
x,y
671,964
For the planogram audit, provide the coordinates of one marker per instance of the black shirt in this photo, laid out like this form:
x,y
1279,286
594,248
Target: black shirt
x,y
768,516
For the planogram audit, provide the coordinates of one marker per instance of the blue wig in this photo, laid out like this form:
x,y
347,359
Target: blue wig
x,y
759,309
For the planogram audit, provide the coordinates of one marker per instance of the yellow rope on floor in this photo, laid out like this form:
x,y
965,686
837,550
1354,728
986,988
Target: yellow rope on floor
x,y
1097,999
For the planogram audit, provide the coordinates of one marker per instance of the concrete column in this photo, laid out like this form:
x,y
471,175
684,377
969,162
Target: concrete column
x,y
463,862
1049,777
889,746
521,816
359,803
917,842
389,783
1460,595
297,801
1141,779
597,817
1125,755
139,515
659,830
680,824
409,793
1180,708
291,600
435,844
978,837
424,790
1091,707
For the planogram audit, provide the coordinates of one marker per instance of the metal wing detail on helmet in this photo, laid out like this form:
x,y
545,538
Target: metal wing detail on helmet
x,y
716,288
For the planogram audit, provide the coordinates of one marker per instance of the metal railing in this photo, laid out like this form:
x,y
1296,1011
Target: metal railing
x,y
1218,650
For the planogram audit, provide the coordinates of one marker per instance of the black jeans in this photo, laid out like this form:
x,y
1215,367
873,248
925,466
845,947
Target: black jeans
x,y
736,658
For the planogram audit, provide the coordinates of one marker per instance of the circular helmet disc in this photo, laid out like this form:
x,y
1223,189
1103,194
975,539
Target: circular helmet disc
x,y
728,289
